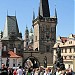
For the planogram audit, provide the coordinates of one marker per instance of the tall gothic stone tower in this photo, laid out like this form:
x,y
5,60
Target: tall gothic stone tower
x,y
44,37
44,28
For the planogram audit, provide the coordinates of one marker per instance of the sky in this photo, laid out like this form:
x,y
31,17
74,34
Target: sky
x,y
24,13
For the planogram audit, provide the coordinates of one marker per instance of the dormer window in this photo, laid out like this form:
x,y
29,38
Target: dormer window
x,y
70,42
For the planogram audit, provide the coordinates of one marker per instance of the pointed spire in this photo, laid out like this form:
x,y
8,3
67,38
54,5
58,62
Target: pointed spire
x,y
26,27
39,12
33,15
26,31
15,12
31,31
55,13
7,12
39,15
44,8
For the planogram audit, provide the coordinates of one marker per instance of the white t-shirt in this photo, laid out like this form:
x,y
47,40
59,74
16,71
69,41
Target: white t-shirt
x,y
19,72
45,73
58,73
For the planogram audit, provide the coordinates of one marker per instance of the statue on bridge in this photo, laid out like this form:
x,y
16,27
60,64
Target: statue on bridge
x,y
45,62
59,60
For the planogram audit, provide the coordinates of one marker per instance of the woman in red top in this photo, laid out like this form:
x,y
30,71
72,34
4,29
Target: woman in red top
x,y
15,72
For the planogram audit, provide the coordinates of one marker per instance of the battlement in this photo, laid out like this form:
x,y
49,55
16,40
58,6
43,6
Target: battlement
x,y
46,19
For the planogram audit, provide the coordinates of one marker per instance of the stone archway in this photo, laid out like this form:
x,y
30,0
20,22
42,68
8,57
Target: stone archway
x,y
31,61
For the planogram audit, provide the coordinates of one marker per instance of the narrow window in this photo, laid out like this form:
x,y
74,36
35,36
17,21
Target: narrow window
x,y
65,50
47,48
35,38
61,50
11,46
65,57
70,51
13,62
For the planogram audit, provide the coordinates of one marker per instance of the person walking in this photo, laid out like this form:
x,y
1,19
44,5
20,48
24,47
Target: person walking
x,y
24,71
46,71
19,71
29,71
4,70
49,71
58,72
36,71
15,72
10,71
41,71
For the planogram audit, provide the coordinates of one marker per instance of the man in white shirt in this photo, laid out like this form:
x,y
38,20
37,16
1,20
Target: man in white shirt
x,y
46,71
19,71
58,72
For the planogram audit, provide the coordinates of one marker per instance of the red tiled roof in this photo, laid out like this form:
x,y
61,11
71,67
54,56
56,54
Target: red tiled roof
x,y
63,39
10,54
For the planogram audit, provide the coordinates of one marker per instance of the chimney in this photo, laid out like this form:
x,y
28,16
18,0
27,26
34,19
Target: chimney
x,y
15,50
4,48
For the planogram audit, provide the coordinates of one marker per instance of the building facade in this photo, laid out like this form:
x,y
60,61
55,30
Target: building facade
x,y
67,46
13,60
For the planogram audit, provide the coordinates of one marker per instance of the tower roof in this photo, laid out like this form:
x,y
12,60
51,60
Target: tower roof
x,y
44,8
33,15
55,13
27,31
31,31
11,26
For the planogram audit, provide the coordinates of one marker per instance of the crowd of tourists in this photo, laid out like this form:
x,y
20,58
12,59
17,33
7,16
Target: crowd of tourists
x,y
35,71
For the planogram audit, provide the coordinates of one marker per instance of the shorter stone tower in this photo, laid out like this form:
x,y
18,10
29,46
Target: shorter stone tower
x,y
26,40
31,36
12,38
